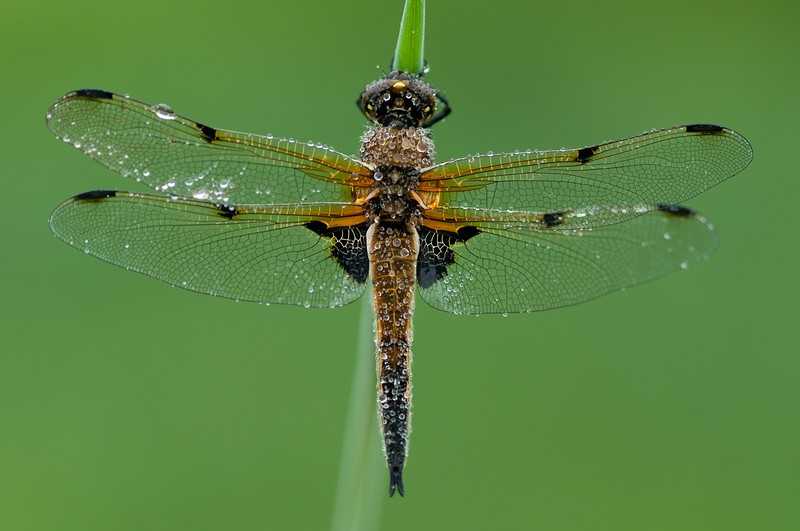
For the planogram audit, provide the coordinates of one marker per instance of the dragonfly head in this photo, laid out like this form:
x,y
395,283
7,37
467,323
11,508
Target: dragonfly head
x,y
399,99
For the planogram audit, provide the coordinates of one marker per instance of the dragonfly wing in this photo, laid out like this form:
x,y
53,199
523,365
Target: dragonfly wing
x,y
173,154
271,255
524,267
666,166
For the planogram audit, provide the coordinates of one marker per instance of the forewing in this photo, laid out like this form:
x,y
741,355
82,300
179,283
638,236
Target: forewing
x,y
666,166
170,153
253,254
509,268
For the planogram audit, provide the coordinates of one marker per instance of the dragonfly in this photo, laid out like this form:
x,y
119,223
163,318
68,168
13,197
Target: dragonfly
x,y
277,220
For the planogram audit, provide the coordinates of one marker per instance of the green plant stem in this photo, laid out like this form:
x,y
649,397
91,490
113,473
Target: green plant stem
x,y
362,484
409,55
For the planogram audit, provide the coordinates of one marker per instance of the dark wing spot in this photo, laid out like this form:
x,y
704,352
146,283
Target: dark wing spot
x,y
348,247
94,93
677,210
209,134
226,211
317,227
467,232
704,128
551,219
586,154
95,195
436,252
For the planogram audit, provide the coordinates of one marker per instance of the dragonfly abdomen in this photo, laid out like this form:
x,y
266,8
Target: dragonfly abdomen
x,y
393,249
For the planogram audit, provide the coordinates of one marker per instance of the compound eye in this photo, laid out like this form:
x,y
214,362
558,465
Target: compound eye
x,y
368,107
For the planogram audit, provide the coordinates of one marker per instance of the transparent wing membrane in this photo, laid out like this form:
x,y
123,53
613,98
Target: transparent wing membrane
x,y
509,269
170,153
254,254
665,166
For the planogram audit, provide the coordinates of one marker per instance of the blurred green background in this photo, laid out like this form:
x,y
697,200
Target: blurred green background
x,y
127,404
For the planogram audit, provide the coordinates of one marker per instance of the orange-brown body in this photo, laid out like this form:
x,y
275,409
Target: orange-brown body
x,y
398,154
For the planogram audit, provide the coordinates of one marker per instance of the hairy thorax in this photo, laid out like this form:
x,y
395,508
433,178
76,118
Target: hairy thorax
x,y
397,155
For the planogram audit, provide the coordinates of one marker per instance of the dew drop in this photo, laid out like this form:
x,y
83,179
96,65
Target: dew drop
x,y
164,111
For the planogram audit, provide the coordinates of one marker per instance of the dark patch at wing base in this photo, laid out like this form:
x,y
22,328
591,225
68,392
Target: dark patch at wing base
x,y
95,195
465,233
317,227
348,247
436,252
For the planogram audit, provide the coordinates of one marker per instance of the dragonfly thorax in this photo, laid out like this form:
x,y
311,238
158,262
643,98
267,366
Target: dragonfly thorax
x,y
398,155
409,147
394,198
400,100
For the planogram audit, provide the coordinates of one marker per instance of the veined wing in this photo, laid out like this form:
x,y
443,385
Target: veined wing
x,y
661,167
173,154
507,267
253,253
